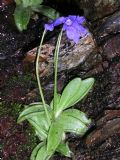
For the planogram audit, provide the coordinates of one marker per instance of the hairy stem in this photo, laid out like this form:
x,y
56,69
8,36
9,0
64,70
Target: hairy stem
x,y
38,79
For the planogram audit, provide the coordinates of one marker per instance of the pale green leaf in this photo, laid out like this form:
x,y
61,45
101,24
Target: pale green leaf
x,y
58,96
85,87
46,11
22,17
35,151
26,3
18,2
36,116
72,124
78,114
35,103
40,119
29,110
74,92
63,148
54,137
40,152
35,2
68,93
30,3
41,133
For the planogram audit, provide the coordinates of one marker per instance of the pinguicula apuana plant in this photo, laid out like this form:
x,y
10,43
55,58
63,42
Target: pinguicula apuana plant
x,y
52,122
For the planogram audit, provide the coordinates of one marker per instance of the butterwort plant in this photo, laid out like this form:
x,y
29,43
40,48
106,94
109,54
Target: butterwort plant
x,y
52,122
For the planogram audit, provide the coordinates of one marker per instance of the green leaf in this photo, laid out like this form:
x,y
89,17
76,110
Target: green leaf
x,y
18,2
37,118
41,133
26,3
74,92
70,90
22,17
85,87
40,119
35,2
77,114
32,109
35,151
72,124
35,103
46,11
40,152
54,137
58,96
63,148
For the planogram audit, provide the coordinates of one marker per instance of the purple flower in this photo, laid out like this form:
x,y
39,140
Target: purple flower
x,y
73,25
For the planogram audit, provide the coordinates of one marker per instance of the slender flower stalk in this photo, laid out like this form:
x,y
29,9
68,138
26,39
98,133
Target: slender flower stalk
x,y
56,66
38,79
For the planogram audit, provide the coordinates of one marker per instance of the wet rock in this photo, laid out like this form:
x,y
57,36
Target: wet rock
x,y
99,8
105,138
108,115
111,51
110,128
71,55
92,61
108,150
108,27
111,47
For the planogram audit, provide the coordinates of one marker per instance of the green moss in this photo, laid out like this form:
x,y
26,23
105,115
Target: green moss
x,y
13,109
24,80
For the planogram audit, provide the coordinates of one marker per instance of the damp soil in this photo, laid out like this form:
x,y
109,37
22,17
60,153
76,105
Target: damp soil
x,y
18,87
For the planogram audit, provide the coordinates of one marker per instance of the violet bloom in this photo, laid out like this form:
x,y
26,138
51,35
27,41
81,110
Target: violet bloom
x,y
73,25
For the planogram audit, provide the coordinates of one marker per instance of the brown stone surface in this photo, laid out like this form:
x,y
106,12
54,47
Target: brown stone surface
x,y
71,55
96,9
107,27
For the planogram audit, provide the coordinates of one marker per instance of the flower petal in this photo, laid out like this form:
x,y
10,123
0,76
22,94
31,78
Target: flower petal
x,y
72,18
81,19
59,21
49,27
80,29
83,31
76,26
72,34
65,27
